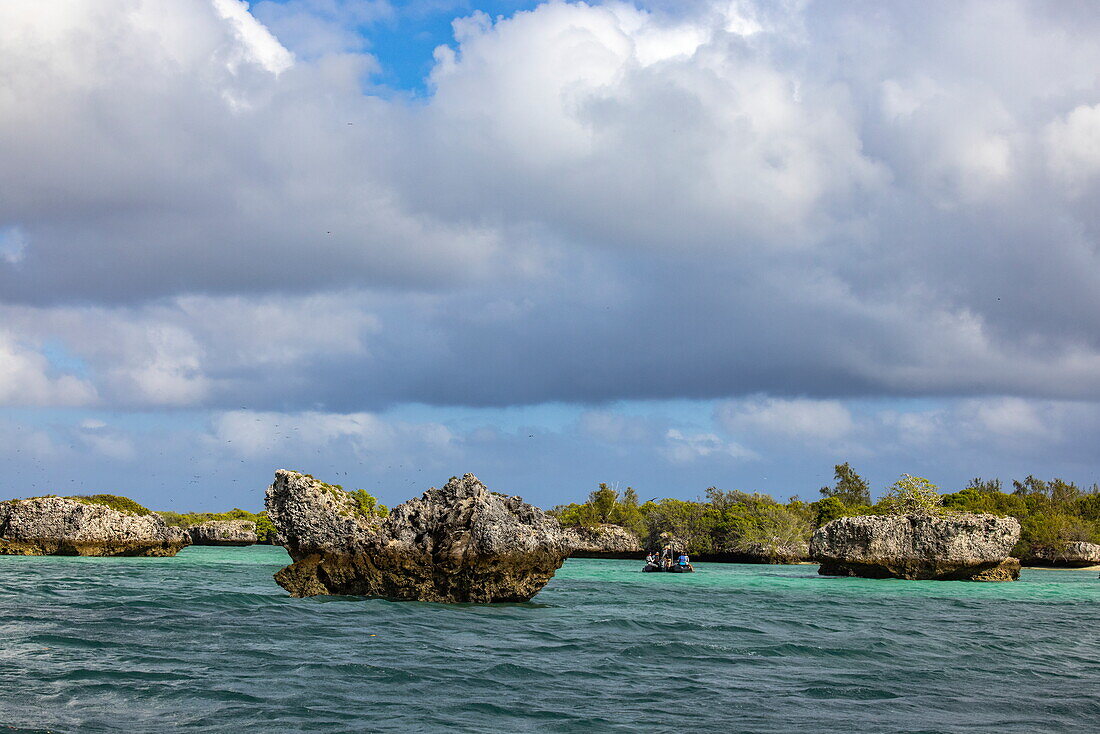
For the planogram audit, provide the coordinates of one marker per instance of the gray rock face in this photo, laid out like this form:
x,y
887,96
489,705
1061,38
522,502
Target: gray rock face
x,y
60,526
1072,555
772,553
776,553
952,547
461,543
224,532
603,541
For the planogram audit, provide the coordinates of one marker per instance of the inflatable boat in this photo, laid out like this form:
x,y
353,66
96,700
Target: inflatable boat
x,y
653,567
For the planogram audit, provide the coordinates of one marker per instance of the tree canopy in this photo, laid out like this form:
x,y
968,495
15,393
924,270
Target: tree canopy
x,y
1051,512
850,488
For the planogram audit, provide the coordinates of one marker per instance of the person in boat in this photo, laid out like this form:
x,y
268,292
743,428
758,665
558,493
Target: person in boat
x,y
684,562
666,557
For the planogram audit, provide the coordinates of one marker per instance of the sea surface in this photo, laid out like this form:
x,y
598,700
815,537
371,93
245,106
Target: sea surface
x,y
207,642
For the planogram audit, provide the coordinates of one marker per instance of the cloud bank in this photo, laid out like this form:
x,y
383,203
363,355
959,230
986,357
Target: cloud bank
x,y
594,202
781,207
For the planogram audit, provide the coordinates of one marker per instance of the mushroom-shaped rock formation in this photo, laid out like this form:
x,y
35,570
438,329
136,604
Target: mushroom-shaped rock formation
x,y
1077,554
952,547
224,532
461,543
603,541
63,526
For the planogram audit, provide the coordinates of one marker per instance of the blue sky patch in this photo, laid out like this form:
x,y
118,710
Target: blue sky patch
x,y
63,360
403,41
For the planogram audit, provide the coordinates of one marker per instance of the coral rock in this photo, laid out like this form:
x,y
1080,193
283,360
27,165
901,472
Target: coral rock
x,y
461,543
224,532
1076,554
952,547
603,541
777,553
61,526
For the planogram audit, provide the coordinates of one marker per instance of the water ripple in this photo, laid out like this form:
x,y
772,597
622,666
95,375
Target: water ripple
x,y
208,642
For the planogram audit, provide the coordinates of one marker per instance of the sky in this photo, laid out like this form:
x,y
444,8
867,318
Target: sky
x,y
667,245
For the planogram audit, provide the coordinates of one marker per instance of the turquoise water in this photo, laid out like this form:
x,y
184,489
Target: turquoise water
x,y
207,642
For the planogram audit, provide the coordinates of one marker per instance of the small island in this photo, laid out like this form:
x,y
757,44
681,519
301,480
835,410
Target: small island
x,y
918,539
99,525
919,547
113,525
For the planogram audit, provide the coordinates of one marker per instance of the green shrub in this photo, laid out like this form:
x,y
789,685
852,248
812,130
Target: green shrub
x,y
775,529
265,529
828,509
115,502
368,504
191,519
604,505
1051,513
576,515
913,496
850,488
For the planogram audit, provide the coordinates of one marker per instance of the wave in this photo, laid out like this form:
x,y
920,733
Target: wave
x,y
212,645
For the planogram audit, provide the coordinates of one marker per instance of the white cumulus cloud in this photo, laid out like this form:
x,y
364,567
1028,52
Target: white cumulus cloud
x,y
800,419
27,379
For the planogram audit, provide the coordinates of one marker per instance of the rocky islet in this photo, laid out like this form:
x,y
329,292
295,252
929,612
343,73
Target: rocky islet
x,y
1075,554
603,541
74,527
224,533
458,543
962,547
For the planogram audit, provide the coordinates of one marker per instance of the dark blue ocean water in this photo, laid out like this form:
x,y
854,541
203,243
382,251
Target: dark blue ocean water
x,y
207,642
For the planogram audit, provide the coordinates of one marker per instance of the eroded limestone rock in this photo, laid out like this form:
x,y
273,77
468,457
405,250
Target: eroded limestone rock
x,y
776,553
1076,554
224,532
460,543
603,541
950,547
63,526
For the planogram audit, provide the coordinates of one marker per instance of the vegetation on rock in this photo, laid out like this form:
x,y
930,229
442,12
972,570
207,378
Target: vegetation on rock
x,y
115,502
368,504
101,525
364,502
604,506
1052,514
850,488
727,522
265,530
913,496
